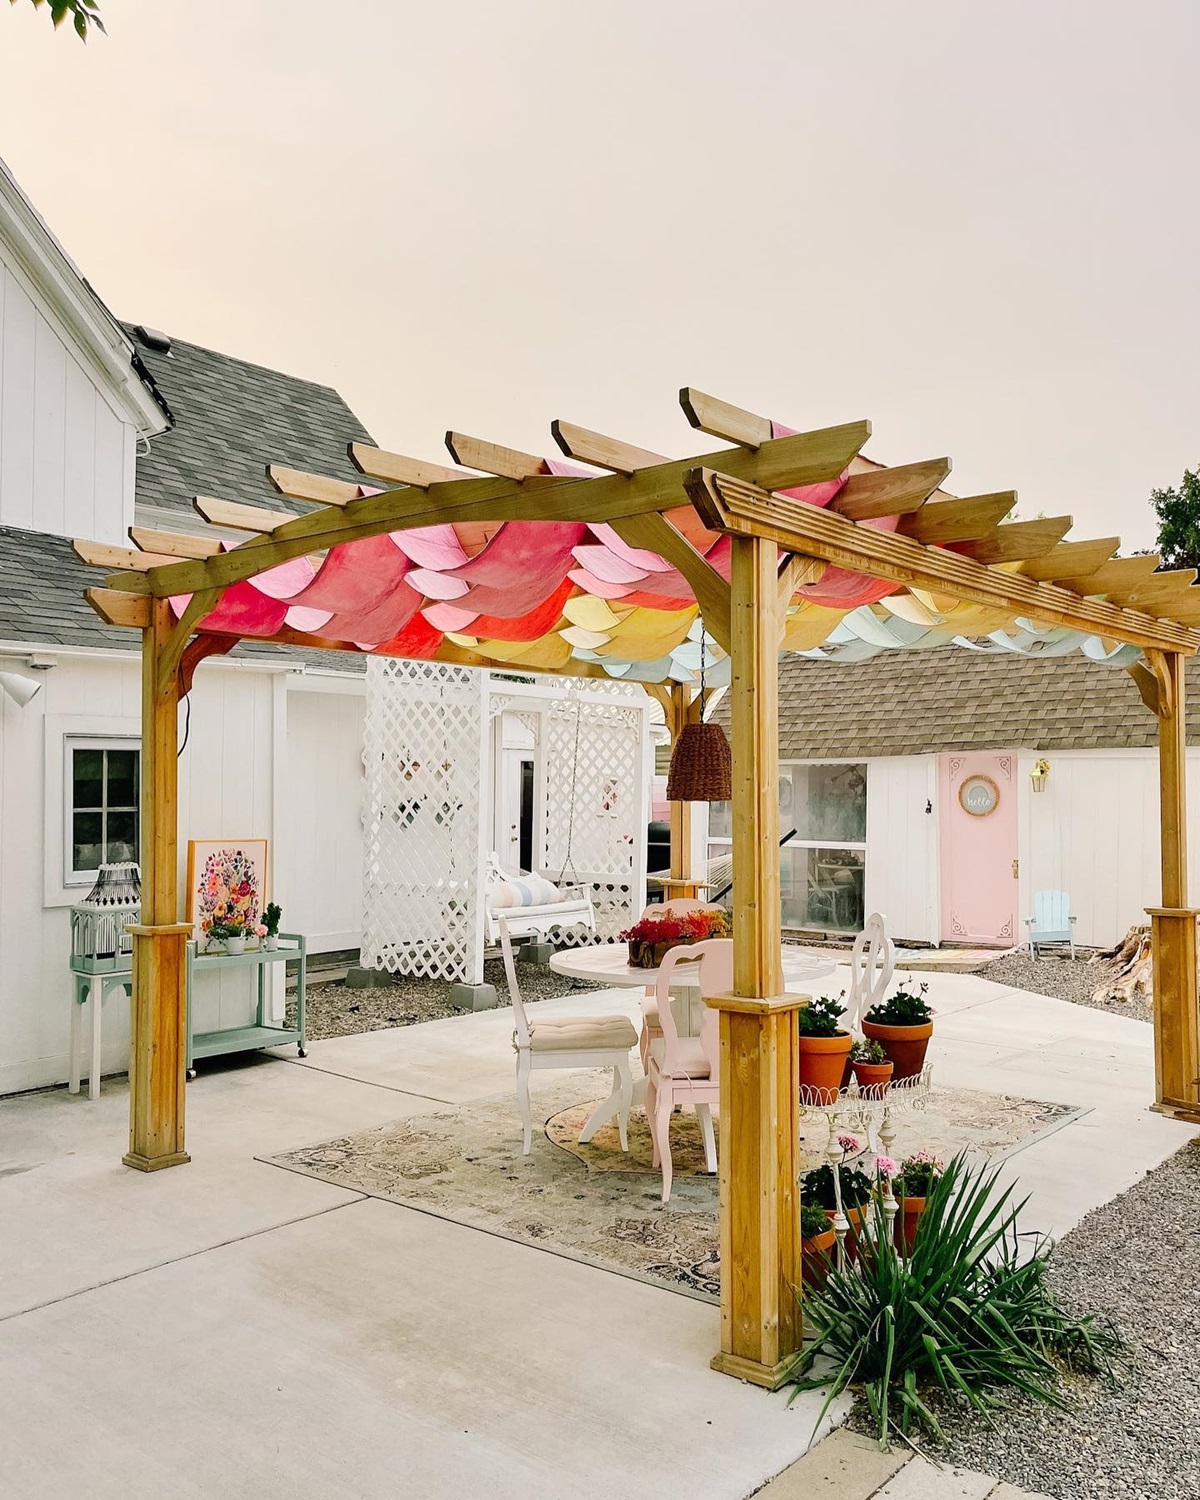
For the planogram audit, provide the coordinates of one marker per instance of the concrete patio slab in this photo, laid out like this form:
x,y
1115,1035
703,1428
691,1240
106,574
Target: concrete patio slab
x,y
372,1352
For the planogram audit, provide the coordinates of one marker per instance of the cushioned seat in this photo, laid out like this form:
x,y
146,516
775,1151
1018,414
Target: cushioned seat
x,y
688,1058
582,1034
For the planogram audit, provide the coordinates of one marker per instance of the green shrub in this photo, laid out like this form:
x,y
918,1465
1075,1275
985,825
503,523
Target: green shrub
x,y
821,1017
868,1052
970,1315
813,1221
917,1175
904,1008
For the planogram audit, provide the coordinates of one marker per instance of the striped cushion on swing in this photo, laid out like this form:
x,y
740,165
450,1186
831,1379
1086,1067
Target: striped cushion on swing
x,y
527,890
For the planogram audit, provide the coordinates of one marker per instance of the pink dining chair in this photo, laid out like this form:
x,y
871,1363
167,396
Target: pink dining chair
x,y
686,1069
650,1027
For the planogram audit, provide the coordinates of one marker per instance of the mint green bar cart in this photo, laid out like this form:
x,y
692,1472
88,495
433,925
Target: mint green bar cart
x,y
261,1033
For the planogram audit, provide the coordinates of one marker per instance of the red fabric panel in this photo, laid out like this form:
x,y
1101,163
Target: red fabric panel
x,y
418,641
363,584
243,610
531,627
520,567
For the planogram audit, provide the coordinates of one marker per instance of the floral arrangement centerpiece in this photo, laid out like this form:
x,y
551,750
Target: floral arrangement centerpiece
x,y
650,938
229,898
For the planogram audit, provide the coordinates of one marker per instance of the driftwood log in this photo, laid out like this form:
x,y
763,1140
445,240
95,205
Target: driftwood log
x,y
1129,968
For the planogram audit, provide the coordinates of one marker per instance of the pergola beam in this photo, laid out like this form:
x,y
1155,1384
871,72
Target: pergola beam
x,y
721,420
1070,559
889,492
943,521
174,544
732,505
1019,541
395,469
805,458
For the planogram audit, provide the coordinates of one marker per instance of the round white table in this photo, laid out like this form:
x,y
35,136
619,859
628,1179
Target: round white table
x,y
608,964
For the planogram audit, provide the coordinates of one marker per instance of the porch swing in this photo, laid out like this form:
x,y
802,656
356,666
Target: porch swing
x,y
532,905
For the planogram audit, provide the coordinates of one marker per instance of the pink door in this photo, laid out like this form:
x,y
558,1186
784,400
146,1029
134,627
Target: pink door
x,y
979,848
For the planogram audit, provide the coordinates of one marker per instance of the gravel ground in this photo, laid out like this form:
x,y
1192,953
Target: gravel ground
x,y
1071,979
337,1010
1136,1259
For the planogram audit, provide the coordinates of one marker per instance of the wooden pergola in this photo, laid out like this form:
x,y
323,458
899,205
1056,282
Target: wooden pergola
x,y
770,541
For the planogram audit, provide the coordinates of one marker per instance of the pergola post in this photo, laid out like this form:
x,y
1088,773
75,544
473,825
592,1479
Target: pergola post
x,y
759,1156
1173,924
158,1042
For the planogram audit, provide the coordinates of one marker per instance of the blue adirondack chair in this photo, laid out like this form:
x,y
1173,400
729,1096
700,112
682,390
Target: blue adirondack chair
x,y
1051,922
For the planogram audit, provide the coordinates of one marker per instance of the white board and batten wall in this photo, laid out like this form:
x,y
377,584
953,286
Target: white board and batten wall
x,y
67,449
270,754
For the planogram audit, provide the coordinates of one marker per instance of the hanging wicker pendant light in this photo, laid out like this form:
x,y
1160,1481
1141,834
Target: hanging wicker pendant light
x,y
701,761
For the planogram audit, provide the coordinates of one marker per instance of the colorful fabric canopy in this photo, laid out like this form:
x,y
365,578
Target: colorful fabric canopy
x,y
540,594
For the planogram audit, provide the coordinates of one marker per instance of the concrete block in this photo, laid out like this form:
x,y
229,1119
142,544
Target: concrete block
x,y
845,1466
921,1480
366,979
1011,1492
473,996
537,953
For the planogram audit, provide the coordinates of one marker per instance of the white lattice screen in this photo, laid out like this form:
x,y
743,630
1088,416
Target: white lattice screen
x,y
423,745
594,823
427,806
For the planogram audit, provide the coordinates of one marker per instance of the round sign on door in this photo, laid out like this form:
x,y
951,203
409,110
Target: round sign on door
x,y
979,795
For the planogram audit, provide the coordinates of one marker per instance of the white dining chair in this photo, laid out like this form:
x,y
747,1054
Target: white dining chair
x,y
872,964
567,1042
680,907
686,1069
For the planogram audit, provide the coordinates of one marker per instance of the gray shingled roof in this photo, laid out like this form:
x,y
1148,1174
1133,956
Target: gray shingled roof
x,y
232,418
913,702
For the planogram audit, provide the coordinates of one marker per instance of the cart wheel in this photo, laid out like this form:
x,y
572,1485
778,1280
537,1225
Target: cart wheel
x,y
301,1051
191,1073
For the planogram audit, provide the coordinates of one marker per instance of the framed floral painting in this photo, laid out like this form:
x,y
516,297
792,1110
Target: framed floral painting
x,y
226,883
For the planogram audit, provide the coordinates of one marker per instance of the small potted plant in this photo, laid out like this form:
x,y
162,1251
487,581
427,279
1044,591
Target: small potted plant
x,y
824,1047
235,937
902,1024
857,1186
872,1068
650,939
912,1184
269,928
817,1240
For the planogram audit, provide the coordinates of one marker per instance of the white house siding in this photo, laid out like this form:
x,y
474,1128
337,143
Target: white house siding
x,y
901,878
67,455
230,786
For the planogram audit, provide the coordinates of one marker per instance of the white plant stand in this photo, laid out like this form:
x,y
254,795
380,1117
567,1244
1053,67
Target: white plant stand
x,y
871,1112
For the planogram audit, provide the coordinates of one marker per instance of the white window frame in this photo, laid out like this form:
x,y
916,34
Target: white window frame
x,y
71,877
856,846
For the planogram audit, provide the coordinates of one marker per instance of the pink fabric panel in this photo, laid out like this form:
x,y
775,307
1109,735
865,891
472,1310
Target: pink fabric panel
x,y
636,557
522,564
309,620
436,585
604,563
363,583
287,580
436,547
244,611
449,617
590,584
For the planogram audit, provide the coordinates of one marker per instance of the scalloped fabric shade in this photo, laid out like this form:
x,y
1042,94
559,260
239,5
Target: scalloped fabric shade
x,y
701,765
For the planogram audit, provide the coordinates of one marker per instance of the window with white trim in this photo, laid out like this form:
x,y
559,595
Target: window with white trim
x,y
822,867
102,812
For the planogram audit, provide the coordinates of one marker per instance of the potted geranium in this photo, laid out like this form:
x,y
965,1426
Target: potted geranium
x,y
269,928
650,939
912,1184
823,1049
817,1239
227,935
872,1067
902,1024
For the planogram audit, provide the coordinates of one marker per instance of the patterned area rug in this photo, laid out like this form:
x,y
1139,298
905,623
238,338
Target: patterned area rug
x,y
596,1204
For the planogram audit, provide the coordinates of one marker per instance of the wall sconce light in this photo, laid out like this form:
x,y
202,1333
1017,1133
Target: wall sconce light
x,y
19,687
1039,774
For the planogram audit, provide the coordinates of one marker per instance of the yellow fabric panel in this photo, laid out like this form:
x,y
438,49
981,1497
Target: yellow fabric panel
x,y
809,626
591,613
548,653
648,634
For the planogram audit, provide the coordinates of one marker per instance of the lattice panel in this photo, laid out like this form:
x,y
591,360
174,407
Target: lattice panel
x,y
421,752
593,811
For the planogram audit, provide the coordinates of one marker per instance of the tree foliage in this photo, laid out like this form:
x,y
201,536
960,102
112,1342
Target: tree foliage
x,y
84,15
1178,512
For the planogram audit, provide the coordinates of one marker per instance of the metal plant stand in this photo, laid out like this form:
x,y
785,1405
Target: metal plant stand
x,y
870,1111
260,1033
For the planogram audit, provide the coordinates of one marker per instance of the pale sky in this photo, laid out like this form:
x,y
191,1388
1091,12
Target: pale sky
x,y
976,225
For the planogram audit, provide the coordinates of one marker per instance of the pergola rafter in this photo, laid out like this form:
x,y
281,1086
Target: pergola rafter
x,y
778,536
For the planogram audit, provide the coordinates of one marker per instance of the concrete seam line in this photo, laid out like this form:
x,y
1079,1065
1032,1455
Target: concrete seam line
x,y
175,1260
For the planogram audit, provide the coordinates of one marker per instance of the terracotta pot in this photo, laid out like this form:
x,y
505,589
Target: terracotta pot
x,y
872,1077
904,1230
905,1045
822,1062
816,1257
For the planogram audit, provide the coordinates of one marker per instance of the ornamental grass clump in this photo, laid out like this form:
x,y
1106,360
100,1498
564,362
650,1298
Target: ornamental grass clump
x,y
969,1317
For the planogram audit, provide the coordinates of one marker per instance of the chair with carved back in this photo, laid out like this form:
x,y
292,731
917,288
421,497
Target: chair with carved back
x,y
872,964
